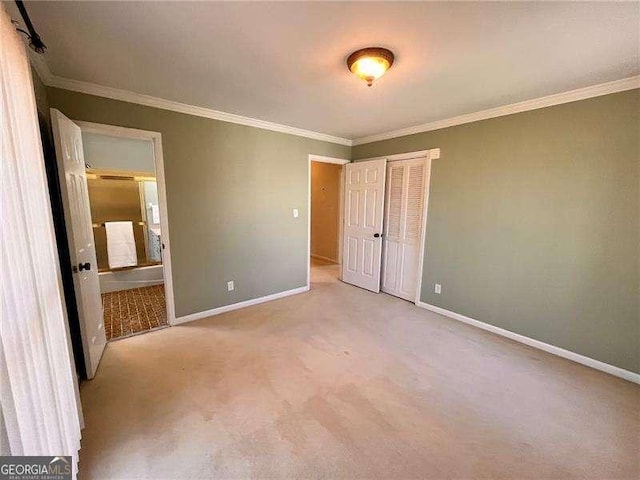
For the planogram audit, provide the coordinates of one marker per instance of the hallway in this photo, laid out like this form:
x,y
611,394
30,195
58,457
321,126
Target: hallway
x,y
324,272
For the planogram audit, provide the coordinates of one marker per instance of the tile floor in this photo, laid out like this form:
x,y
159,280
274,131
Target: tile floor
x,y
128,312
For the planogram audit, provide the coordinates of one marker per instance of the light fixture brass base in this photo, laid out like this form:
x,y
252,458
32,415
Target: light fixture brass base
x,y
370,52
379,55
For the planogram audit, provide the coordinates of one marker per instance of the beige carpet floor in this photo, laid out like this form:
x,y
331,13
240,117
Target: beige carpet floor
x,y
343,383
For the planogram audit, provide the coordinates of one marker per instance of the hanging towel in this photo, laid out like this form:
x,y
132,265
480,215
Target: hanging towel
x,y
121,246
155,214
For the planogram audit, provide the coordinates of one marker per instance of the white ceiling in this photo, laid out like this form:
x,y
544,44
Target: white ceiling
x,y
285,62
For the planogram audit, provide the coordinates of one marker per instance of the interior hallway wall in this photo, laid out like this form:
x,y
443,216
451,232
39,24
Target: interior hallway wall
x,y
231,190
534,223
325,206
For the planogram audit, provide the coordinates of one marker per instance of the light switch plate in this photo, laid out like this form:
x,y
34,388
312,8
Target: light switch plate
x,y
295,213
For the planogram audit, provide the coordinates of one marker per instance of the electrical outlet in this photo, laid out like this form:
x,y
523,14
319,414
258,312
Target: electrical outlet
x,y
230,285
438,288
295,213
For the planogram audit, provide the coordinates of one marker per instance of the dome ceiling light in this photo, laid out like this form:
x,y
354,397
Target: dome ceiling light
x,y
370,63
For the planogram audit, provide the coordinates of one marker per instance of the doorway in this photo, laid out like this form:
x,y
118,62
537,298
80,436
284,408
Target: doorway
x,y
114,202
325,215
125,214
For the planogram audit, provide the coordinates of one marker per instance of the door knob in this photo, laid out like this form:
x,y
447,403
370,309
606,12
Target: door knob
x,y
377,235
84,266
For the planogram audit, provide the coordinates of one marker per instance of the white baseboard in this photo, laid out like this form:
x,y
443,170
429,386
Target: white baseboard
x,y
326,259
239,305
561,352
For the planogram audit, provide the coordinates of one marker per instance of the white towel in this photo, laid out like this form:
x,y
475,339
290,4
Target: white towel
x,y
121,246
155,214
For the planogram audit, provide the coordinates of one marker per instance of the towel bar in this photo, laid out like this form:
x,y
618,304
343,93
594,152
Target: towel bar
x,y
101,225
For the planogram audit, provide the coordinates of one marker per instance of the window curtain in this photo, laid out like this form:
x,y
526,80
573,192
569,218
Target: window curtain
x,y
39,408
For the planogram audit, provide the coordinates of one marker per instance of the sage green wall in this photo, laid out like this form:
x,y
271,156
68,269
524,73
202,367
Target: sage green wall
x,y
230,193
533,223
40,92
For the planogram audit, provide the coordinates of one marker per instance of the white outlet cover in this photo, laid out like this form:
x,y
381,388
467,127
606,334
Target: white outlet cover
x,y
230,286
437,288
295,213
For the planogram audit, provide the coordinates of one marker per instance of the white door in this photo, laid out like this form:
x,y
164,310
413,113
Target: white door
x,y
403,227
363,218
75,199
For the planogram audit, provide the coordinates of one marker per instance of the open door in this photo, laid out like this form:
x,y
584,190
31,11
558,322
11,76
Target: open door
x,y
75,199
363,219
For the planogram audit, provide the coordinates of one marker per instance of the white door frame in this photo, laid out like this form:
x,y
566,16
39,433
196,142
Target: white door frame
x,y
336,161
429,155
156,139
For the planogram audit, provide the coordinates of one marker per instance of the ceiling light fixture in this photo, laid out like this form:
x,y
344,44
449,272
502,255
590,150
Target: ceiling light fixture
x,y
370,63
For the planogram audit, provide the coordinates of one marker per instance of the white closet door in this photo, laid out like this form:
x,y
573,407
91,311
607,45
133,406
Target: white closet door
x,y
363,219
403,224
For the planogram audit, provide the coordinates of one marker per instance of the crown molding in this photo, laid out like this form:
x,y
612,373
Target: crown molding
x,y
40,65
149,101
51,80
542,102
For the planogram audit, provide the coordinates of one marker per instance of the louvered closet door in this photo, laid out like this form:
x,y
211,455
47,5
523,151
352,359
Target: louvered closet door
x,y
403,225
